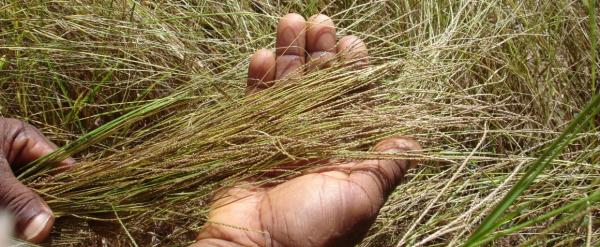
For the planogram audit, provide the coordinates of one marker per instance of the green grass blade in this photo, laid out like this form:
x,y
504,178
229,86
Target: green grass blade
x,y
98,134
490,223
595,197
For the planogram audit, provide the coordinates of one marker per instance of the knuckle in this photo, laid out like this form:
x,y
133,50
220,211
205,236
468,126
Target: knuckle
x,y
17,198
22,202
12,127
12,122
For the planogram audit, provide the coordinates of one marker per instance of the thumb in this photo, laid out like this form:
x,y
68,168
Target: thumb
x,y
373,181
33,217
383,175
28,144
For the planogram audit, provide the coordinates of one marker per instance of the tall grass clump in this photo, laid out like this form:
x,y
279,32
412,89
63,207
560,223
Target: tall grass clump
x,y
149,98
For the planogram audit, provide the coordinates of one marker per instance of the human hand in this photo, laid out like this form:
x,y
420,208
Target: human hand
x,y
21,143
332,206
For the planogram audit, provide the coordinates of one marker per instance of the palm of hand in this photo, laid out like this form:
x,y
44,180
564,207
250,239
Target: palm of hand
x,y
333,206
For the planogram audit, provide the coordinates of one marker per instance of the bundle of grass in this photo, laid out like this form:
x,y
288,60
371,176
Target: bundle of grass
x,y
149,98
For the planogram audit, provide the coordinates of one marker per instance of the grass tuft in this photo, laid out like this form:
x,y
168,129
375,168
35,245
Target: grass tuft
x,y
148,97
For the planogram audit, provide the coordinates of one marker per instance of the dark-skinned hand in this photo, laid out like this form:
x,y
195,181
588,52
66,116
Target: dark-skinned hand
x,y
21,143
329,207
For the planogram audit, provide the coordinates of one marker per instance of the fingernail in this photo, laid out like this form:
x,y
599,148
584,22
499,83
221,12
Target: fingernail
x,y
36,226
